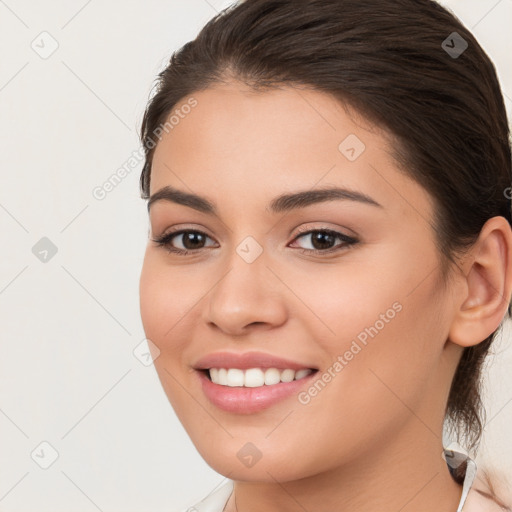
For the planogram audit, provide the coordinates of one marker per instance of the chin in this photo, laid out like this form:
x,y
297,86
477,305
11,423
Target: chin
x,y
243,461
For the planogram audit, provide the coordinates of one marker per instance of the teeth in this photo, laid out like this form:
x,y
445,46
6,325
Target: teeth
x,y
255,377
272,376
235,377
287,375
302,373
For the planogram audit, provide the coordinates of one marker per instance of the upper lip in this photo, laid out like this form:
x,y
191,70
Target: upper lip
x,y
247,360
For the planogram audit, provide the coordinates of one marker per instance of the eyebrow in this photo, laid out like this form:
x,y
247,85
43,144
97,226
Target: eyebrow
x,y
282,203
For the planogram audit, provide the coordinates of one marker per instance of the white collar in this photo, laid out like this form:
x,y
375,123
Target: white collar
x,y
454,459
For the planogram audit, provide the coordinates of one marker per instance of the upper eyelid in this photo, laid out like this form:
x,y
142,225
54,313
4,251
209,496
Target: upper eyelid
x,y
301,231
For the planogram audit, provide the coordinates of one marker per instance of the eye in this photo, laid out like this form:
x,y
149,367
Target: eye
x,y
322,240
190,240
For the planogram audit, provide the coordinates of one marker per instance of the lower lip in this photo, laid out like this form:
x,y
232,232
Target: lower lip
x,y
244,400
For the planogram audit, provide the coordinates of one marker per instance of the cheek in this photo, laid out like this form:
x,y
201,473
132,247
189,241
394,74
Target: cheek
x,y
385,328
391,295
162,309
169,306
340,302
165,299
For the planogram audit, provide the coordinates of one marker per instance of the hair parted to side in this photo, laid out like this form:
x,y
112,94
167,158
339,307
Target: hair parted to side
x,y
384,59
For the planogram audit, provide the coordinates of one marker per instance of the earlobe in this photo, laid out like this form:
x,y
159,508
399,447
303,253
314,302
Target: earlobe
x,y
488,285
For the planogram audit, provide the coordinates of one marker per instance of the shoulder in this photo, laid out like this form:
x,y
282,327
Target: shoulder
x,y
490,492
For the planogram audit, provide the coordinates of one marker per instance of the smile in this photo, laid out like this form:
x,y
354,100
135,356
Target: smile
x,y
255,377
249,382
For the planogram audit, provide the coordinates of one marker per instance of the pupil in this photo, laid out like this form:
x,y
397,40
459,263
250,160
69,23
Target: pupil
x,y
322,240
188,240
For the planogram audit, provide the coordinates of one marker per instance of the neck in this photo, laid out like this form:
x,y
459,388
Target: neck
x,y
405,474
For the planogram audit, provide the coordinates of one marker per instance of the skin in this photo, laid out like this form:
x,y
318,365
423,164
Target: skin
x,y
356,445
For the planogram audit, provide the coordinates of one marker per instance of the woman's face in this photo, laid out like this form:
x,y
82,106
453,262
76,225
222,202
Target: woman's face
x,y
361,303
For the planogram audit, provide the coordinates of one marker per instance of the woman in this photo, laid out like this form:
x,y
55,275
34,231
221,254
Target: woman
x,y
330,252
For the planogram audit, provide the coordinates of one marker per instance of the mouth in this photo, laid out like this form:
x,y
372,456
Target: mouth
x,y
252,390
249,382
255,377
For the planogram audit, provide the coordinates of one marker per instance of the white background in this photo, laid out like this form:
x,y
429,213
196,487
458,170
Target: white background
x,y
68,375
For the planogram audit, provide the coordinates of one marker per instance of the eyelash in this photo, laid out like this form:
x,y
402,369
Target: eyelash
x,y
165,241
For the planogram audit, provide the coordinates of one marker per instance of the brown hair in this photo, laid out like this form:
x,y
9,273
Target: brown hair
x,y
400,65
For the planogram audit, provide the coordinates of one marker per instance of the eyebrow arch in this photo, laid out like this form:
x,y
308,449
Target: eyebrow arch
x,y
282,203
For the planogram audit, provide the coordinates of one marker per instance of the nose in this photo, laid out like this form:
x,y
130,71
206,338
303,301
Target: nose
x,y
247,296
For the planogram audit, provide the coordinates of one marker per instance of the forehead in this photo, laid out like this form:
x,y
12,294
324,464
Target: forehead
x,y
279,124
249,145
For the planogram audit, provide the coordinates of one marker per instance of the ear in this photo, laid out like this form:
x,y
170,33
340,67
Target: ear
x,y
487,285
